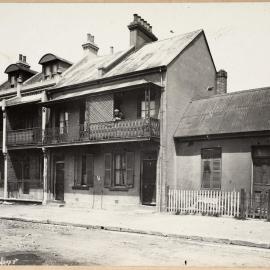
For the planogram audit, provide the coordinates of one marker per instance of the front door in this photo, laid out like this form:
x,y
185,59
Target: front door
x,y
59,180
149,181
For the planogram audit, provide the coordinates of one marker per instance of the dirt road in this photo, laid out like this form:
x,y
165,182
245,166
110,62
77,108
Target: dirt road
x,y
28,243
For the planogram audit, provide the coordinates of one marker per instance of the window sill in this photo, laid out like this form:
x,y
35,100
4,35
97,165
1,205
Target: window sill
x,y
119,188
81,187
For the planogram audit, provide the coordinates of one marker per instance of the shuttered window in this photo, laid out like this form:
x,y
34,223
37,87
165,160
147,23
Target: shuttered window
x,y
119,169
108,170
211,168
84,170
130,168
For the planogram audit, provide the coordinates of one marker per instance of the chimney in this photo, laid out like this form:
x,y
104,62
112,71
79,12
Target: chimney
x,y
22,61
90,48
221,81
19,86
140,32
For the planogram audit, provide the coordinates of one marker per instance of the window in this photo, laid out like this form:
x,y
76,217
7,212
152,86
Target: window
x,y
84,170
62,122
47,72
261,165
144,109
119,169
12,81
211,168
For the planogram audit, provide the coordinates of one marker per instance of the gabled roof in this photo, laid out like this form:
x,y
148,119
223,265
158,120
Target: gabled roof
x,y
48,57
155,54
151,55
237,112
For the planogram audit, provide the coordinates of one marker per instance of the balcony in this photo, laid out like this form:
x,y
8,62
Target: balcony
x,y
23,137
104,131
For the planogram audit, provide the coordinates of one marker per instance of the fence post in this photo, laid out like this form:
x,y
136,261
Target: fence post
x,y
242,203
167,197
268,206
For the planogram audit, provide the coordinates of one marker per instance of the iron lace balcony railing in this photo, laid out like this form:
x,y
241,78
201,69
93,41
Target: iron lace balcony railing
x,y
29,136
113,130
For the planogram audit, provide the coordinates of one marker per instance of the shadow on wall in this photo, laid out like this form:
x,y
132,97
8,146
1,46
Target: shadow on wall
x,y
239,145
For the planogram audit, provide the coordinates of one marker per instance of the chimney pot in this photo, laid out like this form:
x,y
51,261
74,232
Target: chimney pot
x,y
24,58
88,37
20,57
140,32
90,47
111,49
135,17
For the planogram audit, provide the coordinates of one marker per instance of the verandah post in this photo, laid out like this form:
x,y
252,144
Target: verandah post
x,y
268,206
4,148
242,203
45,176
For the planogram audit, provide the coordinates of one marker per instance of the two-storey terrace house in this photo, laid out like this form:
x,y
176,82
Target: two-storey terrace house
x,y
22,158
106,125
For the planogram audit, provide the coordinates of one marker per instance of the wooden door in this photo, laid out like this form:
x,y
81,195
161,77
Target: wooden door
x,y
59,180
149,181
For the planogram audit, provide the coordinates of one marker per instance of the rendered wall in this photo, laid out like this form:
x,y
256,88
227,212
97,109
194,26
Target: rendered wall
x,y
99,196
236,162
189,76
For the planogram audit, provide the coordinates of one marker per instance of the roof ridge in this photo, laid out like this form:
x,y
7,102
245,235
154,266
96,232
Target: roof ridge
x,y
174,37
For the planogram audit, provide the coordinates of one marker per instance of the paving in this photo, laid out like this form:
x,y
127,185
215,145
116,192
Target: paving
x,y
226,230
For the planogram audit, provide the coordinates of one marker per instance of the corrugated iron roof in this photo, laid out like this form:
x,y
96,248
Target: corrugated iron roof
x,y
86,69
237,112
155,54
22,100
36,78
99,89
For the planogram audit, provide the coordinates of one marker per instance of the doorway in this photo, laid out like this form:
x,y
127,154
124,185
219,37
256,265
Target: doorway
x,y
59,177
148,190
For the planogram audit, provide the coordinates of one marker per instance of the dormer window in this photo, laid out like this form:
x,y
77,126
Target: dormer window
x,y
19,69
54,70
47,72
52,65
12,81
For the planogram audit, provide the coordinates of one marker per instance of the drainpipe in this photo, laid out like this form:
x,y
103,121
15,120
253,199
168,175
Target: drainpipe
x,y
162,161
4,148
44,150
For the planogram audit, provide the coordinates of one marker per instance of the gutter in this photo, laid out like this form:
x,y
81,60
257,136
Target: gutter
x,y
207,137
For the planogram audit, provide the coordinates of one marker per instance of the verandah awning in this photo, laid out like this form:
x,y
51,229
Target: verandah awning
x,y
100,89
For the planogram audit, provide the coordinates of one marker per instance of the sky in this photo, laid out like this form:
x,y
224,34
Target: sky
x,y
238,33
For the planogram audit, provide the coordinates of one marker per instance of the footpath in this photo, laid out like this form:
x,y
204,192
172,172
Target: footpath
x,y
224,230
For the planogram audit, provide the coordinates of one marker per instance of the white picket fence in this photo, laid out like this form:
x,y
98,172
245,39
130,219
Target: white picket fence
x,y
210,202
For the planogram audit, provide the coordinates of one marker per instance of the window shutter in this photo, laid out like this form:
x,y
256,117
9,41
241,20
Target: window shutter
x,y
130,168
108,170
76,170
216,175
90,169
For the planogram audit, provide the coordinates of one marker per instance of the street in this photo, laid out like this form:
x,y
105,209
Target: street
x,y
36,244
